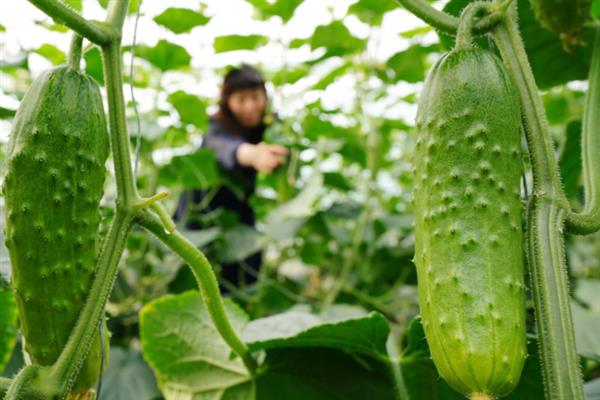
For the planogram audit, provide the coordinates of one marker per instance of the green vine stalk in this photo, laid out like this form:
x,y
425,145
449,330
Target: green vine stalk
x,y
588,221
56,381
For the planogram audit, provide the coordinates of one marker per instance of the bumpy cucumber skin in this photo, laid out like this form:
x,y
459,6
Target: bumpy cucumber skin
x,y
469,253
562,16
53,185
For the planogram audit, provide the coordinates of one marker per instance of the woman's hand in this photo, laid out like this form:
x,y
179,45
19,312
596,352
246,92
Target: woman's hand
x,y
262,157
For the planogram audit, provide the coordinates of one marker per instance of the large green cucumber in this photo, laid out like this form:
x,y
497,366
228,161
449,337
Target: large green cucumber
x,y
53,185
469,253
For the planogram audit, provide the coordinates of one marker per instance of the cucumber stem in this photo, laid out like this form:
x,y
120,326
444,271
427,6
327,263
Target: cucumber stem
x,y
464,35
75,52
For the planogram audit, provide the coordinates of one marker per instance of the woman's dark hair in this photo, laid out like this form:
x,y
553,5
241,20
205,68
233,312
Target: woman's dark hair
x,y
243,77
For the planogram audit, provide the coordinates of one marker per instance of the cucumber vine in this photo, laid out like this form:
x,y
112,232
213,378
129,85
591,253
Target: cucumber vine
x,y
55,382
549,212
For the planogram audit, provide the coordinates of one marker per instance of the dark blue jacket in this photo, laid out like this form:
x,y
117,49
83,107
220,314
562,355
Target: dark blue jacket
x,y
225,144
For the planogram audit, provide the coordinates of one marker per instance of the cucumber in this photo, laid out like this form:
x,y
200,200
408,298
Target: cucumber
x,y
54,181
469,240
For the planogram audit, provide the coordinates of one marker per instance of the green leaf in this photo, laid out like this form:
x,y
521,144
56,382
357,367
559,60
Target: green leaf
x,y
282,8
336,38
371,11
7,113
187,354
364,335
570,160
133,4
238,42
75,4
336,180
596,9
180,20
592,389
197,170
128,377
587,320
202,237
165,55
8,322
551,64
332,76
283,76
2,28
322,374
408,65
93,65
191,109
239,243
52,53
285,220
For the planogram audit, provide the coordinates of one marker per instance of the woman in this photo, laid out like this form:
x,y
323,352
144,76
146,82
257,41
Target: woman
x,y
235,134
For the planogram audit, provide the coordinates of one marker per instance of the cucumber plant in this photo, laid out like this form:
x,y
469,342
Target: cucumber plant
x,y
56,162
548,212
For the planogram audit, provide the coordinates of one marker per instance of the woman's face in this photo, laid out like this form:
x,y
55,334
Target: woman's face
x,y
248,106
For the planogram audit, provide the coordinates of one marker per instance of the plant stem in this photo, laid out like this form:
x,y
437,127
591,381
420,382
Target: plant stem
x,y
206,279
24,377
126,191
546,213
464,34
75,52
67,366
445,22
588,221
96,32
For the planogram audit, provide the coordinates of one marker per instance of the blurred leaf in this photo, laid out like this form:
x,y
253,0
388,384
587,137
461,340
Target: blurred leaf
x,y
592,388
298,42
165,55
76,4
53,27
282,8
2,28
132,5
551,64
93,65
187,354
128,377
7,113
201,237
587,320
180,20
283,221
52,53
194,171
336,38
239,243
371,11
332,76
408,65
336,180
291,75
422,30
238,42
557,109
191,109
570,160
8,322
596,9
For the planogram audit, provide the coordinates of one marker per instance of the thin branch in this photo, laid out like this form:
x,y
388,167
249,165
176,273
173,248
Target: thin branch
x,y
96,32
445,22
205,278
588,221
